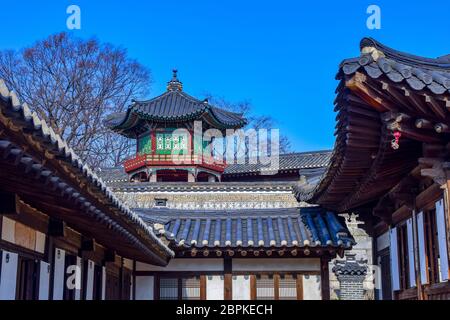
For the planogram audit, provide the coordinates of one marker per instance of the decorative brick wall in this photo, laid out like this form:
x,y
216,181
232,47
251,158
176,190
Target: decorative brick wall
x,y
351,288
351,275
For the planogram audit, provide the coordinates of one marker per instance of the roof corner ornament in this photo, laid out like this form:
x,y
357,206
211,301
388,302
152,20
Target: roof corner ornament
x,y
174,84
374,52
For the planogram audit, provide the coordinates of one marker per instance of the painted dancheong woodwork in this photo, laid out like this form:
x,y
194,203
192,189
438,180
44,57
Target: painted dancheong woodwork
x,y
391,163
168,148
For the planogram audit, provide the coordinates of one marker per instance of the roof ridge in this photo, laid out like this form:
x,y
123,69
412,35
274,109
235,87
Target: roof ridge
x,y
442,62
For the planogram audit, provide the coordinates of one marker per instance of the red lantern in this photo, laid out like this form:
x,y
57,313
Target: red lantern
x,y
395,142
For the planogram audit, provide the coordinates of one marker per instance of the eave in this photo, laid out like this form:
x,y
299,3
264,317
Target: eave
x,y
40,166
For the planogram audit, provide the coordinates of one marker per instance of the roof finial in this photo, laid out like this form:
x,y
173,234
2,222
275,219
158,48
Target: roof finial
x,y
174,84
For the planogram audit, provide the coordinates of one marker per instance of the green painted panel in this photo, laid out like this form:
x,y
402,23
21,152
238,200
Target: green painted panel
x,y
145,145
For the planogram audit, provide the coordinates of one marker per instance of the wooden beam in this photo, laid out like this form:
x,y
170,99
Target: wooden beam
x,y
8,203
394,93
442,128
434,105
424,124
412,97
413,133
356,84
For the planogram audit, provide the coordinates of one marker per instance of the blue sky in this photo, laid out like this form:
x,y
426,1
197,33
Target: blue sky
x,y
280,55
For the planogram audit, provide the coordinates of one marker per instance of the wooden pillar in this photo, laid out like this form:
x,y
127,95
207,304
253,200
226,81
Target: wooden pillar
x,y
228,278
153,143
191,177
253,287
325,277
203,287
299,280
276,285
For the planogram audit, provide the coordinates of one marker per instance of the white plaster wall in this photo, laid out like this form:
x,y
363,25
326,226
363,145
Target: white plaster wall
x,y
214,288
58,277
311,287
8,275
383,241
241,288
103,283
144,288
44,280
90,280
184,265
80,274
307,264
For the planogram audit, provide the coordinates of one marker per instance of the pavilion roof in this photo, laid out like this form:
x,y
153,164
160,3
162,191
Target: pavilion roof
x,y
173,106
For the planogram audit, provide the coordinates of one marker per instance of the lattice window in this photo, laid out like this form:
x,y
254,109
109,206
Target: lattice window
x,y
265,288
176,143
168,142
190,288
168,288
160,141
183,142
288,288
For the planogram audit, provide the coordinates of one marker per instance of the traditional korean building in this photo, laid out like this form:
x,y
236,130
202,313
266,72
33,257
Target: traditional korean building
x,y
390,165
63,233
237,230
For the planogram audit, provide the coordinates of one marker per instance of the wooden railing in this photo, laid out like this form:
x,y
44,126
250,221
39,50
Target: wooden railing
x,y
149,160
436,291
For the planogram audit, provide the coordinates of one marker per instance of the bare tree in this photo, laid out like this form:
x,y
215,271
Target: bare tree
x,y
73,84
254,121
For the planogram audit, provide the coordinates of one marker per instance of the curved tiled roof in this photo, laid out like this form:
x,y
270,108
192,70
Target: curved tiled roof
x,y
288,161
177,105
305,161
380,82
267,228
174,106
52,142
418,73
